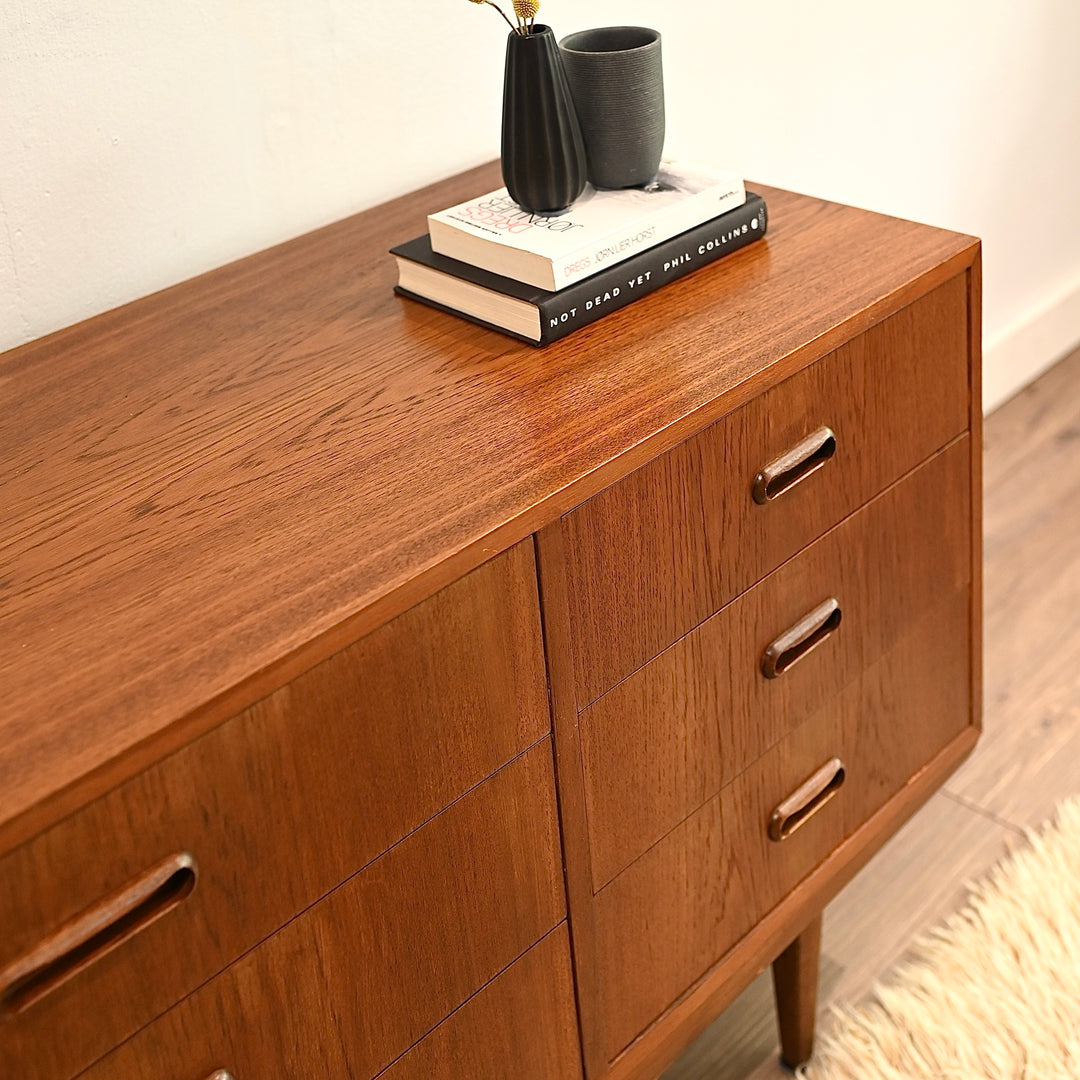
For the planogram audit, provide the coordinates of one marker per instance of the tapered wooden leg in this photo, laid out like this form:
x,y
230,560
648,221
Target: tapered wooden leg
x,y
795,982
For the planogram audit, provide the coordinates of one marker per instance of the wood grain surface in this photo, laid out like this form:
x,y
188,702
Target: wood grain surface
x,y
1027,760
281,804
648,1055
912,883
973,278
208,491
654,555
658,1046
672,734
521,1024
570,786
795,982
676,910
347,988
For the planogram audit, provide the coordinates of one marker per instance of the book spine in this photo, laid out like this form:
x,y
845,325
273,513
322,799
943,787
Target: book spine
x,y
619,285
620,246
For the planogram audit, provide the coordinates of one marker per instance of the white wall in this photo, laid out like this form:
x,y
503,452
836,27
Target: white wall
x,y
143,142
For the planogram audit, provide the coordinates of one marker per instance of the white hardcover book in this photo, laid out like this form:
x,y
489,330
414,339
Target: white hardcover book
x,y
601,228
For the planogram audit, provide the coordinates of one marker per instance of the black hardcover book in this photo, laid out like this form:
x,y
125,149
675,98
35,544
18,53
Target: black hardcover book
x,y
540,317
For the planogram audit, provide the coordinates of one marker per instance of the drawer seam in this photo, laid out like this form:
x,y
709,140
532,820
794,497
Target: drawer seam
x,y
320,899
931,613
772,570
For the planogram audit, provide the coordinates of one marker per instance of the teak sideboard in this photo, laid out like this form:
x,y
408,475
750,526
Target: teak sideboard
x,y
383,697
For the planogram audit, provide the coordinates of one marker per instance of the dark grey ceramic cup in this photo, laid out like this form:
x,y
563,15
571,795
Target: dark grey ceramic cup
x,y
617,82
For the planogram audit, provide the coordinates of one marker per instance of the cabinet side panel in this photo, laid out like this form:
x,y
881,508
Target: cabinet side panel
x,y
974,297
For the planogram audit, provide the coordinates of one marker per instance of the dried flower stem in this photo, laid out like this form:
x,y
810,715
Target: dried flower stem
x,y
524,12
491,3
503,14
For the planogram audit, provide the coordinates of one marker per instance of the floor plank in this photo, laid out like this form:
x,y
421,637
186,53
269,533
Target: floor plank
x,y
1027,760
1029,756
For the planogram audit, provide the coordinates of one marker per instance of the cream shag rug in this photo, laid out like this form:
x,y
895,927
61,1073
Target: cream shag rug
x,y
993,993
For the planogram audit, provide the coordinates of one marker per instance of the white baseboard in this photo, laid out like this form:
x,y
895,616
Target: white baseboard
x,y
1026,349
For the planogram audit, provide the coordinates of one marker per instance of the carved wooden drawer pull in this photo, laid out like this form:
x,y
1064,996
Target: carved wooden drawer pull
x,y
801,640
797,464
95,932
803,803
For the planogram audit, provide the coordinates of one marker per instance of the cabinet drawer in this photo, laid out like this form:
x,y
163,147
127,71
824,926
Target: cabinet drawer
x,y
347,988
671,735
521,1025
908,708
882,729
657,553
666,919
275,808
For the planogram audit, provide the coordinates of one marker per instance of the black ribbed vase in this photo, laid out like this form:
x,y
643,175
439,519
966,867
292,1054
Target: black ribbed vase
x,y
543,153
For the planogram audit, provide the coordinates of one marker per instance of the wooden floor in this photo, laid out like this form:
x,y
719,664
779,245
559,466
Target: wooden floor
x,y
1029,755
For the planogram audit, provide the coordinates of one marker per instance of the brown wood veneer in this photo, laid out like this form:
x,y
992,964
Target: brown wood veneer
x,y
282,803
208,491
212,491
674,913
795,979
362,977
656,554
521,1024
667,738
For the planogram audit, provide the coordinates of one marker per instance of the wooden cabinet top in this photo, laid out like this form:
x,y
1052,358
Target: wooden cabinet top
x,y
208,490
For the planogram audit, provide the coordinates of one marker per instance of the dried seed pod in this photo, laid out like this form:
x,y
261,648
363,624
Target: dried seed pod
x,y
526,9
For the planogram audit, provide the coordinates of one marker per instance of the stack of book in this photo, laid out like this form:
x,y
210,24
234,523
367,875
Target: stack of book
x,y
539,278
